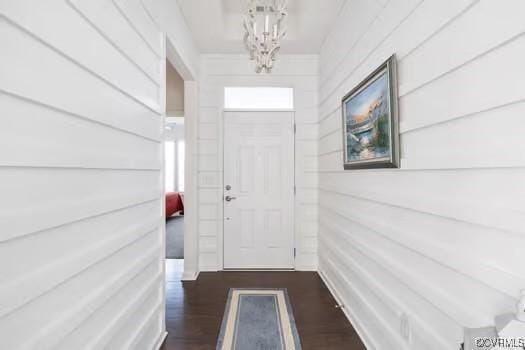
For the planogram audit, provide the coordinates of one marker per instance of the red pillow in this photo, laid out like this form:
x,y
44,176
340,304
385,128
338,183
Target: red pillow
x,y
173,203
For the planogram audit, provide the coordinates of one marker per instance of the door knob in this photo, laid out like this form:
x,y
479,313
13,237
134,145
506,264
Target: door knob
x,y
229,198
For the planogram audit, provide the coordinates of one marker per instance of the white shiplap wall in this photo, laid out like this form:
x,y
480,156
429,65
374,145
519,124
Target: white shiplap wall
x,y
185,55
441,239
219,71
81,258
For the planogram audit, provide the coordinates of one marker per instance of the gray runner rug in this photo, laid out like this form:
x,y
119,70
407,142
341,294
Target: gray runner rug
x,y
258,319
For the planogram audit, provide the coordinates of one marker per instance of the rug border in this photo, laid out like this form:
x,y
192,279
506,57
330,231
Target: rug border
x,y
291,316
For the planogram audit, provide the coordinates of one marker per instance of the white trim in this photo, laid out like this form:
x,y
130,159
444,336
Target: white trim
x,y
190,276
160,341
191,234
172,55
162,226
346,311
306,268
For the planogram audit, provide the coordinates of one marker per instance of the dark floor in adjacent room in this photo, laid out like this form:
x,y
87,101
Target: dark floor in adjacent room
x,y
195,309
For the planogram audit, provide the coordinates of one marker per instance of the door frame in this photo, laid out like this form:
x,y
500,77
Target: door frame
x,y
191,113
221,152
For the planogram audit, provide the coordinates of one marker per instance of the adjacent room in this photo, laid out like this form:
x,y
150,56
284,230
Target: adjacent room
x,y
174,152
262,175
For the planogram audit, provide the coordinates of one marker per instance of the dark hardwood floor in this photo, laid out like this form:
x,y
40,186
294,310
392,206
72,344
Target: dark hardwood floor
x,y
195,309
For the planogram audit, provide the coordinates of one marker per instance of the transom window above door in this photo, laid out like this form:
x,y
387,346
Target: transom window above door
x,y
258,98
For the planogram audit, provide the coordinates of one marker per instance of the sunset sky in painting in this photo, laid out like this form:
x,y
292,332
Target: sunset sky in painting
x,y
357,106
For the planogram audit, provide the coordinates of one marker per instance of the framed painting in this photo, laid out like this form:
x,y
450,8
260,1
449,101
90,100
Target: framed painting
x,y
370,121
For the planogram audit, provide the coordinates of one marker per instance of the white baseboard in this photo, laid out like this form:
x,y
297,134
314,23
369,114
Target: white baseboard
x,y
159,342
346,310
209,268
190,276
306,268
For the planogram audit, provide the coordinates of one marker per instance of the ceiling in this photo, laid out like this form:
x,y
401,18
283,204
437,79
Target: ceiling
x,y
216,25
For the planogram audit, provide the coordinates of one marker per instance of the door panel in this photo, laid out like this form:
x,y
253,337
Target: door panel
x,y
258,208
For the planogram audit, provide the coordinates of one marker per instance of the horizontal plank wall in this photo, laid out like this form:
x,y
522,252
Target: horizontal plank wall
x,y
81,257
439,242
218,71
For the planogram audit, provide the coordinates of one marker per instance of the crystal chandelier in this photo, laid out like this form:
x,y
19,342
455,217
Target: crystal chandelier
x,y
264,24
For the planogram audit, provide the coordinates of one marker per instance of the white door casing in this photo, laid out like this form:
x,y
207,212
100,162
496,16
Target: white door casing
x,y
258,207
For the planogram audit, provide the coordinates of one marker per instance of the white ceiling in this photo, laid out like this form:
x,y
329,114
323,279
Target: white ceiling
x,y
216,25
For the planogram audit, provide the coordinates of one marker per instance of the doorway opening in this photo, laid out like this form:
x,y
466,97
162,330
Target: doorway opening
x,y
174,154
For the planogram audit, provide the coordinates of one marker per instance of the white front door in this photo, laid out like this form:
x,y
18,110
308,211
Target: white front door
x,y
258,190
